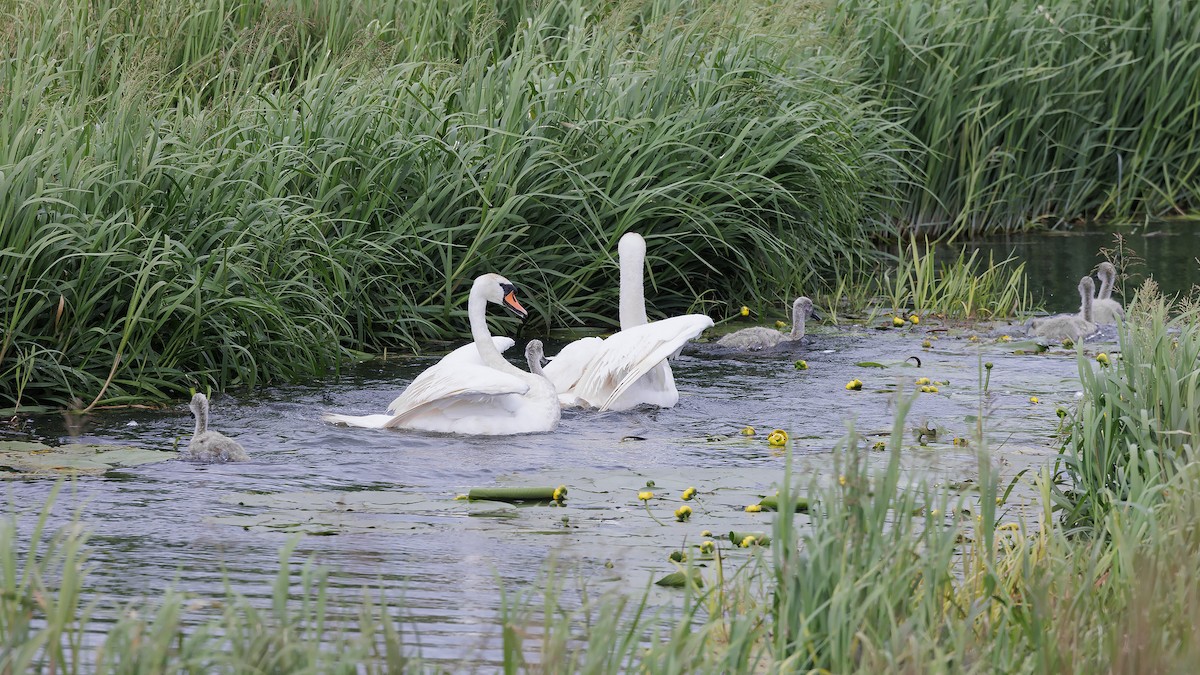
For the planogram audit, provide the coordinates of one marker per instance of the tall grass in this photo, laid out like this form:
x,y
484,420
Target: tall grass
x,y
1136,424
1037,111
208,194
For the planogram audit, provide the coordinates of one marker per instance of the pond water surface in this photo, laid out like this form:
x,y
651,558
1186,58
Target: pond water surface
x,y
383,501
1168,250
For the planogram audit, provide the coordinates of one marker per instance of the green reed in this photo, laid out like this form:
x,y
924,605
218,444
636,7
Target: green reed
x,y
269,189
1037,111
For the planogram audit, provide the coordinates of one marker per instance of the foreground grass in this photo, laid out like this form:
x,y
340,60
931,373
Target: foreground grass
x,y
887,576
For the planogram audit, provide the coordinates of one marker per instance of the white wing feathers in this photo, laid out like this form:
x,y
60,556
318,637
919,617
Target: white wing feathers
x,y
444,386
625,357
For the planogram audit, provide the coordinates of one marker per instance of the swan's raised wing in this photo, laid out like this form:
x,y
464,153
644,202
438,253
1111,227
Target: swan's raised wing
x,y
627,356
567,367
444,387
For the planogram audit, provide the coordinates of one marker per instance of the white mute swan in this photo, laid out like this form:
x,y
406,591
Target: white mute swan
x,y
760,337
465,393
210,446
1104,308
1074,326
630,367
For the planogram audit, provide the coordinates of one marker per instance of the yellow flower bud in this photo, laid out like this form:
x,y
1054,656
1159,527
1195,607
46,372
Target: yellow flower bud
x,y
688,494
753,508
778,438
897,321
747,431
745,311
683,513
646,495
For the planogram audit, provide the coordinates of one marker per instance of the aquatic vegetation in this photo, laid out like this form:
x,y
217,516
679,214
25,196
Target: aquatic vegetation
x,y
966,288
777,438
688,494
683,513
747,431
800,364
854,385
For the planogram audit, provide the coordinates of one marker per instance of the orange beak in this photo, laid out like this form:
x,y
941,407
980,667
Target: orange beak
x,y
510,301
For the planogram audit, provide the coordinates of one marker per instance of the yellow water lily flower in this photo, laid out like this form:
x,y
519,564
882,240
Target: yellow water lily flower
x,y
753,508
645,495
560,492
683,513
745,311
780,325
922,380
1102,358
879,446
1005,338
706,533
1068,343
854,385
926,344
897,321
973,338
801,365
747,431
1034,399
914,319
929,389
707,547
677,556
688,494
842,480
748,541
778,438
961,442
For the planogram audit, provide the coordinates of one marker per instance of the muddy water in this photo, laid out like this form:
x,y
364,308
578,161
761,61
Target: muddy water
x,y
378,507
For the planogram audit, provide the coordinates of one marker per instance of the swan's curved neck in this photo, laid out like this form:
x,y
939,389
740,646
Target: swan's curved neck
x,y
633,298
1086,308
797,322
201,418
477,312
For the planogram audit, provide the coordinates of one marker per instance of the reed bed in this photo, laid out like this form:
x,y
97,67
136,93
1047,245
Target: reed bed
x,y
1037,111
214,194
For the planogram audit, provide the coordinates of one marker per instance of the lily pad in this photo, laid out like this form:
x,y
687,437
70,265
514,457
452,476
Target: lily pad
x,y
21,459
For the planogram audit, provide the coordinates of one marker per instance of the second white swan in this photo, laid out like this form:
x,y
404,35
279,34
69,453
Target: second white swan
x,y
630,367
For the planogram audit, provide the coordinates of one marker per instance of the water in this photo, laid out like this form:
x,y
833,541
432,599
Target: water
x,y
1055,261
384,499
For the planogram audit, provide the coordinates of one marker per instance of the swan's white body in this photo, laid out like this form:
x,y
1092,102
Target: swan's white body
x,y
1104,308
1073,326
210,446
759,337
630,367
472,393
